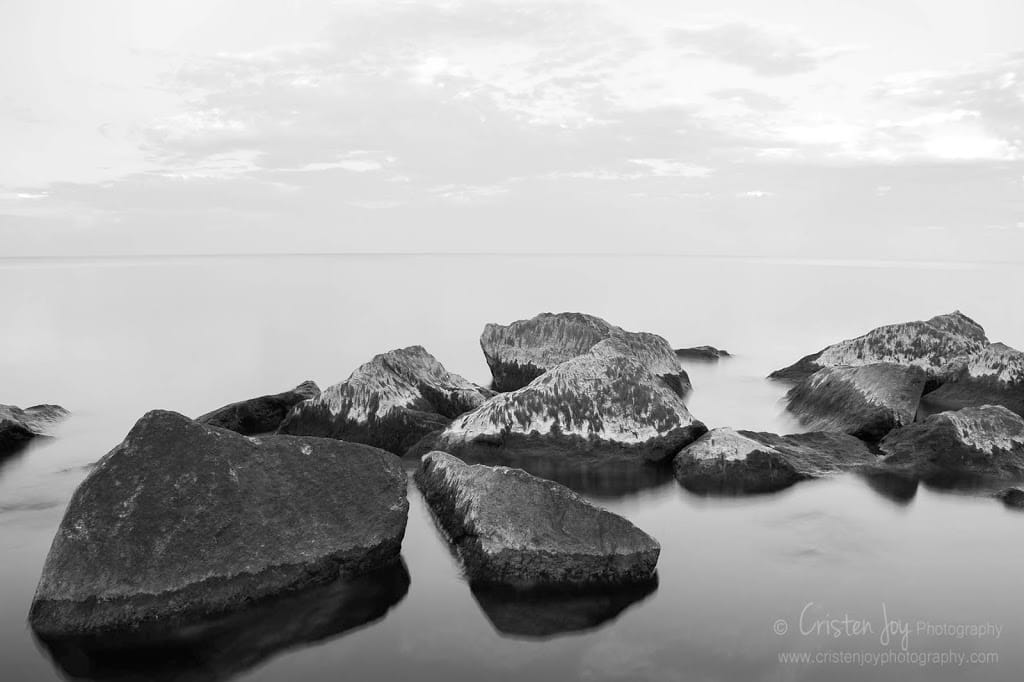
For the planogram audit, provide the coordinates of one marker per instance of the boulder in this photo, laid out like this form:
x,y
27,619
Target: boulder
x,y
993,376
259,415
931,345
183,521
1012,497
728,461
520,352
391,402
513,529
702,353
17,426
866,401
973,443
605,403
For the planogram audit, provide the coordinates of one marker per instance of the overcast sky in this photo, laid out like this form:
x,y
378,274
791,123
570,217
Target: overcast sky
x,y
868,129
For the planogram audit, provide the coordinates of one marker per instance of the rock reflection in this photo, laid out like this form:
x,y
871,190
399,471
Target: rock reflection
x,y
220,648
548,613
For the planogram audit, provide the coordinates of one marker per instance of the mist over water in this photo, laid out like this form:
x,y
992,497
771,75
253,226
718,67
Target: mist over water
x,y
113,339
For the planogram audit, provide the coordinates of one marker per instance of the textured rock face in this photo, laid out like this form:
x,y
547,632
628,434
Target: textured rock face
x,y
866,401
603,403
259,415
18,426
391,402
182,521
705,353
931,345
728,461
517,530
993,376
520,352
986,442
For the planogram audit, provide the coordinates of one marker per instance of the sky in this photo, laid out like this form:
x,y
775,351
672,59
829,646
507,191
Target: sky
x,y
879,129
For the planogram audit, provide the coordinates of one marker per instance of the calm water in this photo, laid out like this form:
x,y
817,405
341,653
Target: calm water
x,y
110,340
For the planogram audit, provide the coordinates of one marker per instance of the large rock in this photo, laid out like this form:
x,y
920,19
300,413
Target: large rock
x,y
391,402
602,404
866,401
259,415
17,426
993,376
973,443
520,352
182,521
511,528
931,345
728,461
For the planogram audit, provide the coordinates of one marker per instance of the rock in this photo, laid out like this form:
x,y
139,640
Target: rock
x,y
18,426
931,345
390,402
976,442
702,353
520,352
866,401
993,376
221,648
728,461
259,415
183,521
1012,497
514,529
602,404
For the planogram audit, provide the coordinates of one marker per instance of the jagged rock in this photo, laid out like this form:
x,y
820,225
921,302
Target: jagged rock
x,y
183,521
604,403
704,353
1012,497
984,442
511,528
18,426
391,402
993,376
259,415
931,345
728,461
520,352
865,401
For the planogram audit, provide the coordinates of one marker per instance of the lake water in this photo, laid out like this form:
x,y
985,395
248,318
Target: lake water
x,y
112,339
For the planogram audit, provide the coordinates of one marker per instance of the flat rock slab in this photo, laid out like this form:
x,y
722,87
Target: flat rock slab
x,y
931,345
702,353
866,401
602,404
18,426
182,521
520,352
976,442
728,461
259,415
391,402
513,529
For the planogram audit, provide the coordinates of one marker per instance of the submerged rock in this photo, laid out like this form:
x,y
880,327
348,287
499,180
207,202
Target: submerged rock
x,y
865,401
931,345
183,521
391,402
520,352
976,442
514,529
18,426
725,460
705,353
259,415
993,376
605,403
1012,497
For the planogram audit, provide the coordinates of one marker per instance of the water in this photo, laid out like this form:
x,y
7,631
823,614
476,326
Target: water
x,y
112,339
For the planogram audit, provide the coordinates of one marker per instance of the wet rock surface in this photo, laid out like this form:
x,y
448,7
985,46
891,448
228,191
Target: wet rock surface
x,y
18,426
259,415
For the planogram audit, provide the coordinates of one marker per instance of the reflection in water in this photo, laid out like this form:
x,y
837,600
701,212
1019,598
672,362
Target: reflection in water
x,y
549,613
895,487
221,648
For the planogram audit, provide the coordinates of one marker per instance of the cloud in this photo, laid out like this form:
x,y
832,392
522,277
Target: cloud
x,y
765,52
752,99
